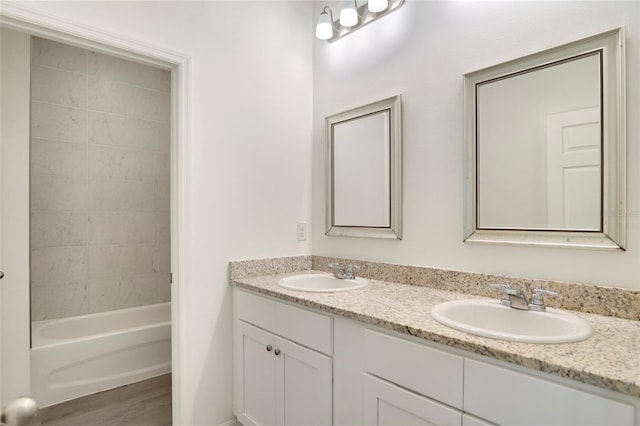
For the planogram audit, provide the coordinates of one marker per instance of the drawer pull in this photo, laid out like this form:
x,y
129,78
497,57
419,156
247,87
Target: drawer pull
x,y
277,352
269,347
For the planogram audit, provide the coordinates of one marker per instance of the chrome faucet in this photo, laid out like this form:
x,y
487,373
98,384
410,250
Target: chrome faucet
x,y
512,297
516,299
346,273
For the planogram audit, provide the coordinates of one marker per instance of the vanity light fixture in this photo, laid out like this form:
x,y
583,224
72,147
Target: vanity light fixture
x,y
352,17
349,14
324,27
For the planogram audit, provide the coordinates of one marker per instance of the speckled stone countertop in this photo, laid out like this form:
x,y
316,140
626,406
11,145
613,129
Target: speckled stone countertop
x,y
609,359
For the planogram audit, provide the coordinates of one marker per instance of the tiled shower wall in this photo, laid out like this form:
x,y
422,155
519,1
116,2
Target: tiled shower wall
x,y
99,182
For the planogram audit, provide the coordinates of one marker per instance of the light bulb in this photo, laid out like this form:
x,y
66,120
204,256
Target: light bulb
x,y
324,27
376,6
349,15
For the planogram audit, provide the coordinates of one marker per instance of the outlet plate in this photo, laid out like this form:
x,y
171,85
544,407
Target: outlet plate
x,y
302,231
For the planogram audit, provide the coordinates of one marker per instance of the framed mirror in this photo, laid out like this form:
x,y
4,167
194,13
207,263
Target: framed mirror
x,y
545,147
364,171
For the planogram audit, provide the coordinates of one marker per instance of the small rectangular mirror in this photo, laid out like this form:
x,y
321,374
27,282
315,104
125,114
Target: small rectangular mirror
x,y
545,147
364,171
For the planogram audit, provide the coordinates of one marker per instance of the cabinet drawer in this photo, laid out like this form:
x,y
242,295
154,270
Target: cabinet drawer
x,y
299,325
417,367
305,327
256,310
509,397
388,405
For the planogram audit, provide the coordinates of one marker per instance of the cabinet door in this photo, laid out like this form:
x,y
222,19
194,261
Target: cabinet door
x,y
305,386
386,404
258,379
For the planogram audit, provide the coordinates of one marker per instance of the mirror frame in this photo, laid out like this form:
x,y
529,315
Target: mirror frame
x,y
613,110
394,230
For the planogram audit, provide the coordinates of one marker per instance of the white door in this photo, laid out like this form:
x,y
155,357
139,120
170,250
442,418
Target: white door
x,y
573,169
388,405
14,214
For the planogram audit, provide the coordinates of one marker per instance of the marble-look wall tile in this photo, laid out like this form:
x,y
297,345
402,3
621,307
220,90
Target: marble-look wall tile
x,y
59,158
119,292
59,301
123,132
164,137
165,81
120,98
122,260
110,68
58,55
59,228
58,86
165,108
107,162
54,122
163,167
109,228
164,287
99,182
164,258
164,227
58,193
122,195
51,265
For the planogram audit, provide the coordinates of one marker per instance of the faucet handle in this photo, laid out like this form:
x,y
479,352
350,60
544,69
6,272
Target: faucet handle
x,y
335,266
349,271
505,300
537,300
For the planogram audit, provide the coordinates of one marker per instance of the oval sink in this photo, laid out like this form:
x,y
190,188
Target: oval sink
x,y
488,318
320,283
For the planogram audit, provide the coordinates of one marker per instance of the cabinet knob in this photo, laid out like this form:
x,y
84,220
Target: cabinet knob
x,y
269,347
277,352
1,275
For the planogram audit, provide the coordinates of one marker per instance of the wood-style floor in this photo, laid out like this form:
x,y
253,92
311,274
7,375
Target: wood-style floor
x,y
146,403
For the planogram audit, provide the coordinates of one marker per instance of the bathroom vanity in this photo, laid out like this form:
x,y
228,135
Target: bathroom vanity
x,y
374,356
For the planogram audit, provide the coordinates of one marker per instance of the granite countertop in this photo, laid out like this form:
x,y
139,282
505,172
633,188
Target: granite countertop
x,y
609,359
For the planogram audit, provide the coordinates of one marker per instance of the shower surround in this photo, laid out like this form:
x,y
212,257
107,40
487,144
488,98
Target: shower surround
x,y
100,170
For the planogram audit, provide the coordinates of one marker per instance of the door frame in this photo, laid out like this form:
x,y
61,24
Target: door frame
x,y
17,17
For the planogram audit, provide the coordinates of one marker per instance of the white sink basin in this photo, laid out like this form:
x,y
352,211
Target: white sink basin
x,y
488,318
321,283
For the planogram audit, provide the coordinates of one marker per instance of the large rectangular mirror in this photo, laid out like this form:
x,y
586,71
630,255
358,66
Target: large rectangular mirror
x,y
364,171
545,147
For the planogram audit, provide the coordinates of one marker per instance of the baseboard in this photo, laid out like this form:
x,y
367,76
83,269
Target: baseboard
x,y
231,422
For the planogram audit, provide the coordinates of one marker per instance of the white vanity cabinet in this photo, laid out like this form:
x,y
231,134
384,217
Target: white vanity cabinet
x,y
276,380
385,378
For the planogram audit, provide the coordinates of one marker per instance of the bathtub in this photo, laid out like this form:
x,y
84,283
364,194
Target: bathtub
x,y
77,356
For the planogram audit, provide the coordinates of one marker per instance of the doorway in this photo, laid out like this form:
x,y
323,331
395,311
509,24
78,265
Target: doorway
x,y
23,21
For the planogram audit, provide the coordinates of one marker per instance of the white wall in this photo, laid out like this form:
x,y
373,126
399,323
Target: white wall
x,y
250,115
422,51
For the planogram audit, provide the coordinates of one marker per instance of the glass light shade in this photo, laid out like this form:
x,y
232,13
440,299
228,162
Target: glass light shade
x,y
348,16
324,27
376,6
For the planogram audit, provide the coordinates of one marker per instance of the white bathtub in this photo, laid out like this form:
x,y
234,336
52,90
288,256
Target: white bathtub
x,y
73,357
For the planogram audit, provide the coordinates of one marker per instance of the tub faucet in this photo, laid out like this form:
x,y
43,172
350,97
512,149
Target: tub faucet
x,y
512,297
346,273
